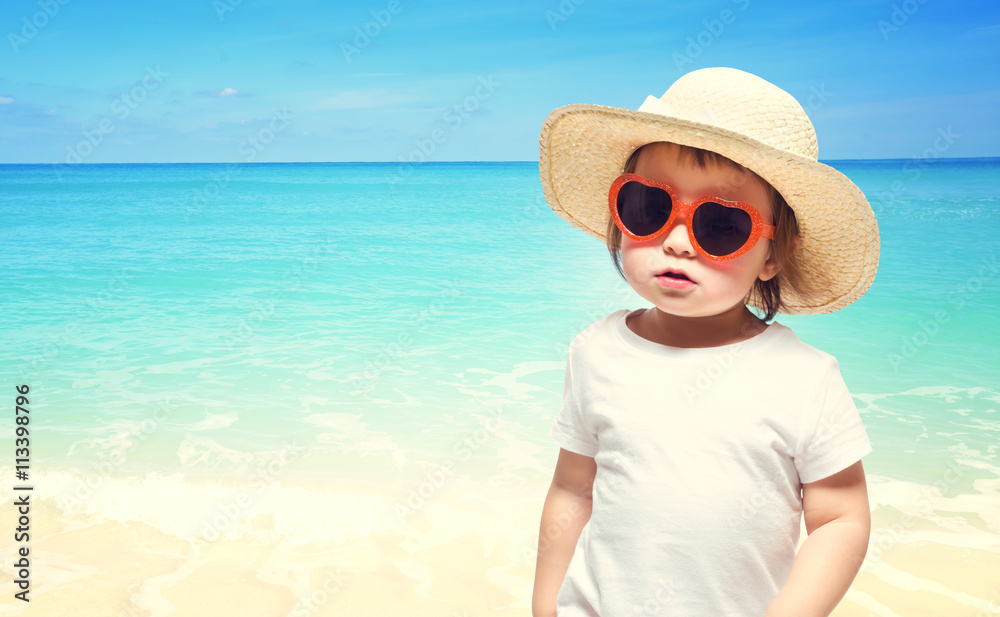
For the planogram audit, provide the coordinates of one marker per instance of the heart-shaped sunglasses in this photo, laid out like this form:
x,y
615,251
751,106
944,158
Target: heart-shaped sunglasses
x,y
718,228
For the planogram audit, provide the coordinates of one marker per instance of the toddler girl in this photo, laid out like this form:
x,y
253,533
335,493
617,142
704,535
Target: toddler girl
x,y
694,436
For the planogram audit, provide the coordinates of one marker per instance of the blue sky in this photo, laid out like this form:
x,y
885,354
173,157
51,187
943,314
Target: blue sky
x,y
91,81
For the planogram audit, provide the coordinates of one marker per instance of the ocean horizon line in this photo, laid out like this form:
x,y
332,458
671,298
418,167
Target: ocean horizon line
x,y
931,161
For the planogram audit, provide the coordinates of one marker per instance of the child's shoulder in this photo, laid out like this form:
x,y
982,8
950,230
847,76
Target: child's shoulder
x,y
788,348
602,325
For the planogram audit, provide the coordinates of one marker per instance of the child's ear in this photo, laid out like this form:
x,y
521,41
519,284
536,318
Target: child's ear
x,y
771,266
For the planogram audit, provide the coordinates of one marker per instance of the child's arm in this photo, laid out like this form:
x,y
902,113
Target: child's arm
x,y
566,510
838,521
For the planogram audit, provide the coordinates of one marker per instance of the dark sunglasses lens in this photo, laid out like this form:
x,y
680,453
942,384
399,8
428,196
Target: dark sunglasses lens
x,y
720,230
643,209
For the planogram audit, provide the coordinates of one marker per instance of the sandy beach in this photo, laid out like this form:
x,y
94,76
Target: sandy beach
x,y
464,550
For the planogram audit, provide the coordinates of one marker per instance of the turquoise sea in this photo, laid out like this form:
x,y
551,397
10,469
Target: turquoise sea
x,y
178,322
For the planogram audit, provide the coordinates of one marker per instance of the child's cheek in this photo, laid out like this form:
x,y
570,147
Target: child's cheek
x,y
638,262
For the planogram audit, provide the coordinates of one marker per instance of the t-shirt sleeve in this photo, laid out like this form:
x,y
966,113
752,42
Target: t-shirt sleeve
x,y
571,428
833,437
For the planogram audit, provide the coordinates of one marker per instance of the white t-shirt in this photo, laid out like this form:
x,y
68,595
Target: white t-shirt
x,y
700,456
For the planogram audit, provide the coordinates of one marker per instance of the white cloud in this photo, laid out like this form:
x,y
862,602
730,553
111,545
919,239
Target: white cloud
x,y
6,100
224,92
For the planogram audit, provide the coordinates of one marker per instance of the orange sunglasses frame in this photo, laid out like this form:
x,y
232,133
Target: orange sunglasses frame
x,y
759,230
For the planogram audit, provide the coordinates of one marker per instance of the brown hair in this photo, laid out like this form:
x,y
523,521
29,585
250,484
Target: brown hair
x,y
765,293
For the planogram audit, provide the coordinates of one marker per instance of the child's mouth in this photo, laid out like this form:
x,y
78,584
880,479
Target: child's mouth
x,y
674,280
674,275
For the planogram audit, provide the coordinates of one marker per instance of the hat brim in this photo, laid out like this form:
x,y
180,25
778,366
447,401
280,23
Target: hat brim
x,y
584,147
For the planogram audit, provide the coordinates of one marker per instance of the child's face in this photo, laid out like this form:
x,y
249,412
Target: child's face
x,y
718,286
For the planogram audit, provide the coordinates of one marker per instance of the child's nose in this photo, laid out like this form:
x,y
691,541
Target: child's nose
x,y
676,238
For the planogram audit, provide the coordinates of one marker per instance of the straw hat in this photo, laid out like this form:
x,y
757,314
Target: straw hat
x,y
746,119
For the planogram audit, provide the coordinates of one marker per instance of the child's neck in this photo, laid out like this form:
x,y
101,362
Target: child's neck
x,y
735,325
